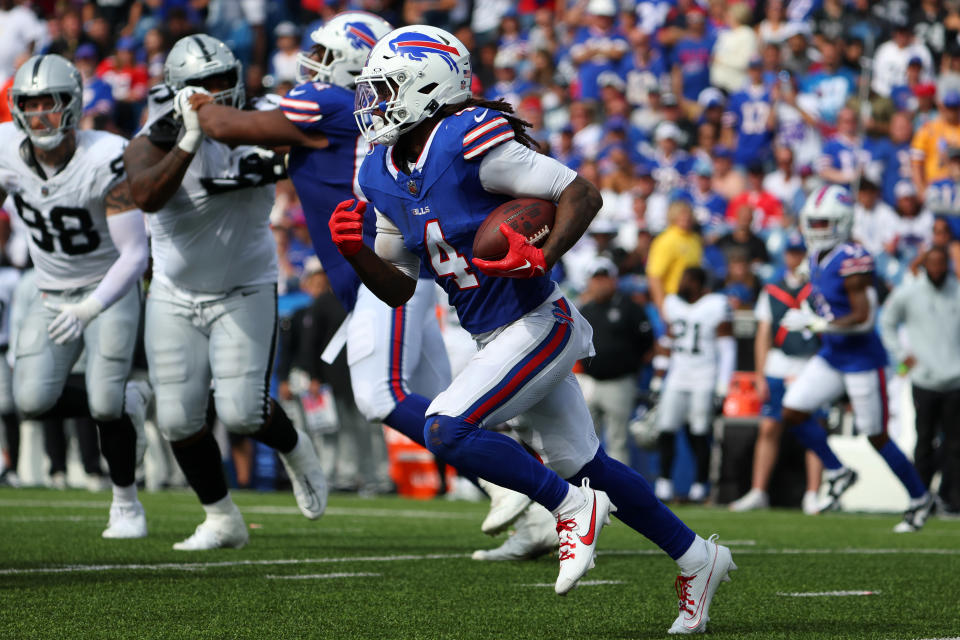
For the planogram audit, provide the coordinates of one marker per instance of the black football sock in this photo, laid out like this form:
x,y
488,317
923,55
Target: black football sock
x,y
118,443
89,445
199,459
701,451
11,426
277,432
55,445
665,445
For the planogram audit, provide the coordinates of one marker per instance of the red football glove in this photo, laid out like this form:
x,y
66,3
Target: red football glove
x,y
523,260
346,226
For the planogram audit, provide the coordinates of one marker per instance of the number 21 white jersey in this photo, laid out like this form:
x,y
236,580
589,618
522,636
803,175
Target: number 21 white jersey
x,y
693,331
65,215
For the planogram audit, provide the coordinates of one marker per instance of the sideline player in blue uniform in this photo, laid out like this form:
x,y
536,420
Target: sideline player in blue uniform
x,y
842,310
441,163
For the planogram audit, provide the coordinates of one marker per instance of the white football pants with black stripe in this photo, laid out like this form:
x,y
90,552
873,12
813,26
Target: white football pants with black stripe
x,y
229,340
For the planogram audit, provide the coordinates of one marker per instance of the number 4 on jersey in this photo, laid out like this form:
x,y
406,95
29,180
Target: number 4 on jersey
x,y
445,260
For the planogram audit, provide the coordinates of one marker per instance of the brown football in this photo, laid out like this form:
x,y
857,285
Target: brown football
x,y
530,216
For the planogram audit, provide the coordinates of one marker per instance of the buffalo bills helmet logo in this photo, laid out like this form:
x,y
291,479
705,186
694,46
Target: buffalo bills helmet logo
x,y
360,35
417,46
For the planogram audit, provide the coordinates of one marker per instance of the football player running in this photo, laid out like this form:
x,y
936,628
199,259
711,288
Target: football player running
x,y
397,359
842,311
88,243
212,308
702,357
439,150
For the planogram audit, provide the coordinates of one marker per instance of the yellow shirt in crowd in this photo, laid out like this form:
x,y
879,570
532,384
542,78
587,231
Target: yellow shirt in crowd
x,y
671,253
930,144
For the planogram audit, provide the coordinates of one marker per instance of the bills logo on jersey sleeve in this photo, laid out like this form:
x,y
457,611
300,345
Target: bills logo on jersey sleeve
x,y
417,46
360,35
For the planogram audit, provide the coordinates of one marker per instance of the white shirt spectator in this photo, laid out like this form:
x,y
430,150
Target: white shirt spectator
x,y
890,65
587,140
794,132
19,29
786,190
731,55
284,66
873,228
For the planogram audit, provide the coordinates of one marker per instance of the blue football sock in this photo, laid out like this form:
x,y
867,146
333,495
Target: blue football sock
x,y
408,416
636,504
903,469
812,436
493,457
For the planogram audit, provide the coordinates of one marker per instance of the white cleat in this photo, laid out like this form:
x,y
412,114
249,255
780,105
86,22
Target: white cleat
x,y
837,485
810,503
663,489
752,500
506,507
217,532
916,514
306,476
695,590
697,493
578,533
126,521
535,535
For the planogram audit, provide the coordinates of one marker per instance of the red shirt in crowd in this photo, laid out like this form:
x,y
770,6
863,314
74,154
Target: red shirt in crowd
x,y
129,84
767,209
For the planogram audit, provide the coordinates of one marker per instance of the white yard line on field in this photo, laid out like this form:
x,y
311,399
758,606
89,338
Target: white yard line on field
x,y
827,594
267,509
325,576
582,583
194,566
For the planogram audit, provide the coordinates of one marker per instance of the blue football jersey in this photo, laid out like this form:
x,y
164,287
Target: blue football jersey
x,y
829,299
325,177
749,113
439,204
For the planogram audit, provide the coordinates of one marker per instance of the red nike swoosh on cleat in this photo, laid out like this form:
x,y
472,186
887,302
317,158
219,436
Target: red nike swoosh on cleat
x,y
699,612
588,539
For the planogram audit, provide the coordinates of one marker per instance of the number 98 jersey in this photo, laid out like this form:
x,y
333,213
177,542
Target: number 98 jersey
x,y
693,344
65,215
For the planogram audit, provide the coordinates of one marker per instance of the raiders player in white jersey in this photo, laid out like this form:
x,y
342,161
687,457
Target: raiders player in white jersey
x,y
702,356
88,244
10,435
212,308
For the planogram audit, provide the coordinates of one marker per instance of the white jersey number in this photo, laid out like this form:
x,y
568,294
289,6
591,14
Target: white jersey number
x,y
72,226
445,260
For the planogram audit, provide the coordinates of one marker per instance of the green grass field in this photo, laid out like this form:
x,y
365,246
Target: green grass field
x,y
390,568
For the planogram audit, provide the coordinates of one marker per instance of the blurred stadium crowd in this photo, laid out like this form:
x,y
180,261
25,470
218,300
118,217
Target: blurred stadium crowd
x,y
705,123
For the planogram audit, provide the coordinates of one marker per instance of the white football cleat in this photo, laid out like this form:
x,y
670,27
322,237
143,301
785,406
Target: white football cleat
x,y
810,503
217,532
535,535
578,533
505,507
663,489
916,514
126,521
697,493
751,500
837,485
306,476
695,590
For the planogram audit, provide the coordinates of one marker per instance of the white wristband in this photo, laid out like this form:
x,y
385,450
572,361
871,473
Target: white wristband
x,y
190,141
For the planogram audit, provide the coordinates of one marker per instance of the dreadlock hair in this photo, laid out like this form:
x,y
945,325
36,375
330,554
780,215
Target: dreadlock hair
x,y
519,126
